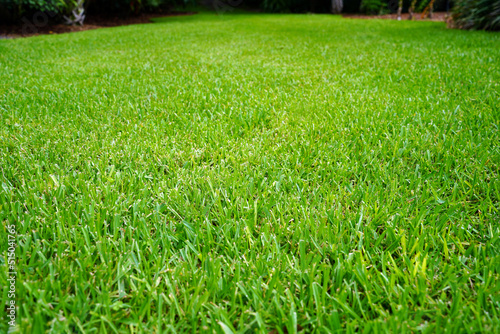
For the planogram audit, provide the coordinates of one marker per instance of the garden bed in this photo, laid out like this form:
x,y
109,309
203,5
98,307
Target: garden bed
x,y
93,22
437,16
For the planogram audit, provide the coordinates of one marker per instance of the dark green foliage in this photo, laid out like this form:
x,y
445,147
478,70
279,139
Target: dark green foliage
x,y
372,6
421,5
131,6
295,6
477,14
37,5
351,6
13,10
276,5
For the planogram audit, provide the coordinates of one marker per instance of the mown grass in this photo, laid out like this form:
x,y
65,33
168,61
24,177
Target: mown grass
x,y
241,173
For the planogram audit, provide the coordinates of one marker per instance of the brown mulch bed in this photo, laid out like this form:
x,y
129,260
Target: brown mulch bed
x,y
436,16
93,22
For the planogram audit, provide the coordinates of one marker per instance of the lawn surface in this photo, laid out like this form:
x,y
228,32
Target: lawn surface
x,y
246,172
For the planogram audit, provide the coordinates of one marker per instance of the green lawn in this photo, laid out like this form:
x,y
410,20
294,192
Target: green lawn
x,y
253,173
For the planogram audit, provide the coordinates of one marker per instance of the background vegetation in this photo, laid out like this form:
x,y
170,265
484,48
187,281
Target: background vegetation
x,y
468,14
477,14
14,10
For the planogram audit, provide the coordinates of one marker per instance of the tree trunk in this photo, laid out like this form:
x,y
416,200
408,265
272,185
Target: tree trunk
x,y
411,11
337,6
431,9
400,9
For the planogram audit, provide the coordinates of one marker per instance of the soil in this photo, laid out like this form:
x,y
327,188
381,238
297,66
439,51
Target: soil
x,y
436,16
93,22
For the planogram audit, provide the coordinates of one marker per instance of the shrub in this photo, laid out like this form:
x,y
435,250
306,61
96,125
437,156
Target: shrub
x,y
13,10
372,6
54,6
477,14
276,6
295,6
130,6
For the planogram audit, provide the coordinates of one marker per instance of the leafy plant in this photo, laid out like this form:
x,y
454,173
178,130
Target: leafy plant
x,y
77,15
301,6
22,6
477,14
421,5
372,6
276,6
15,10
